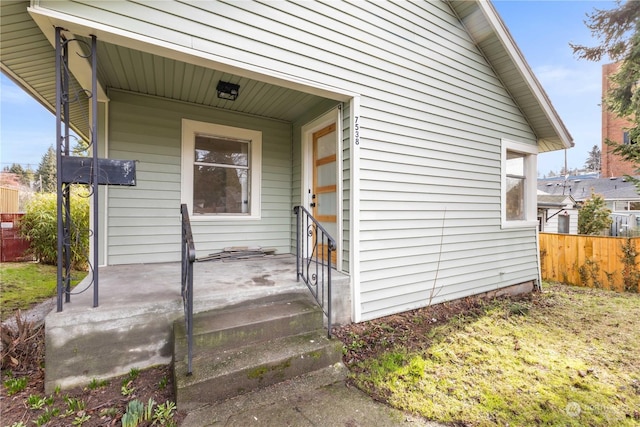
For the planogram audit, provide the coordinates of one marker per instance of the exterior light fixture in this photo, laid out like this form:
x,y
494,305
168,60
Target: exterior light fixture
x,y
227,90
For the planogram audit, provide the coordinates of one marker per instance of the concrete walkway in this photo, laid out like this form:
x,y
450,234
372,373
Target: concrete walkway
x,y
321,398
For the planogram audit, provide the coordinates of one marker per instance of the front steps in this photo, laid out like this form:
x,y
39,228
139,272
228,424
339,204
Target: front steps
x,y
248,346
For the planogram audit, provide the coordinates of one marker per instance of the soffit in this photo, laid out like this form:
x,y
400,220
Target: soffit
x,y
497,45
27,57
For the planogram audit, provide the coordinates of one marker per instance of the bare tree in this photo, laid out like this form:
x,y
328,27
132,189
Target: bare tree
x,y
593,159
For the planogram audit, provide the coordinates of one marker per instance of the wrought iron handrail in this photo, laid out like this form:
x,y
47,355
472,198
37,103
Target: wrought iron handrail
x,y
314,249
188,258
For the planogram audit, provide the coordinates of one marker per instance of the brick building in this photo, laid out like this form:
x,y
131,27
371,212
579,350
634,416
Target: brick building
x,y
613,128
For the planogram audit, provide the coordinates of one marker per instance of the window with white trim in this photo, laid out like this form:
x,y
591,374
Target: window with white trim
x,y
518,189
221,168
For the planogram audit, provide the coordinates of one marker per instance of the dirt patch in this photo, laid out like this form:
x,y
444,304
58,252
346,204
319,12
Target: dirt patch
x,y
102,403
409,329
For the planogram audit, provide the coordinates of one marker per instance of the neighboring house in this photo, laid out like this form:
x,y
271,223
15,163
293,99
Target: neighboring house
x,y
415,125
557,214
620,195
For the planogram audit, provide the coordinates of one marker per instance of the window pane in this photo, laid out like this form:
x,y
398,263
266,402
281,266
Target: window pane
x,y
326,174
634,206
515,163
222,151
620,205
327,145
327,204
220,190
515,199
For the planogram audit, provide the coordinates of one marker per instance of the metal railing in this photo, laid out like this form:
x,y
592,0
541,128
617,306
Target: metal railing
x,y
188,258
315,249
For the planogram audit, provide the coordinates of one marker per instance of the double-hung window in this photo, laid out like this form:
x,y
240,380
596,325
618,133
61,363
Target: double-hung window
x,y
220,170
518,189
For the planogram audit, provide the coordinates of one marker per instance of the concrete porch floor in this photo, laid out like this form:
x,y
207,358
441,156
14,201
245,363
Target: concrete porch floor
x,y
138,303
215,283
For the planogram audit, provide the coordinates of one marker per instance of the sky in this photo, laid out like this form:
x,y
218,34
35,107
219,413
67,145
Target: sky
x,y
541,29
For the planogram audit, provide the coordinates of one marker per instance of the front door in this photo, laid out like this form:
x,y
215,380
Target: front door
x,y
324,197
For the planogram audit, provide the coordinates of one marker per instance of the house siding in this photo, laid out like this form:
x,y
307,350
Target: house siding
x,y
144,221
432,115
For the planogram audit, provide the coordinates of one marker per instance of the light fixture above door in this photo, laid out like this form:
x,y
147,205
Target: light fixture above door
x,y
227,90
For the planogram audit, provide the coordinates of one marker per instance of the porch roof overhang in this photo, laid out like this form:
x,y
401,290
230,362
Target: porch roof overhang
x,y
28,56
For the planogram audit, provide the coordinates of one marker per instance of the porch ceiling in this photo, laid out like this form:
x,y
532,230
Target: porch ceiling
x,y
132,70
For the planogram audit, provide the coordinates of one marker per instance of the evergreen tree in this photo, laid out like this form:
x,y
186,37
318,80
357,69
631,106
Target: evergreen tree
x,y
80,148
618,30
594,217
593,160
46,171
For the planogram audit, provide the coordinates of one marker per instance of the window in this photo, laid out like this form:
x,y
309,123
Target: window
x,y
518,192
625,138
221,167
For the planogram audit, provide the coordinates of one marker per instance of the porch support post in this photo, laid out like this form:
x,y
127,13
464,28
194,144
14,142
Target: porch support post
x,y
94,168
63,206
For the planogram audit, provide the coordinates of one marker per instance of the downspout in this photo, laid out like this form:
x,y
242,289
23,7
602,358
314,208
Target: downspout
x,y
537,286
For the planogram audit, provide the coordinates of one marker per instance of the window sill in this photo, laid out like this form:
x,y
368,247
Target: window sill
x,y
217,218
519,224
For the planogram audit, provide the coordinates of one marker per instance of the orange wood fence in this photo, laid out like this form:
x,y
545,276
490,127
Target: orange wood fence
x,y
9,200
593,261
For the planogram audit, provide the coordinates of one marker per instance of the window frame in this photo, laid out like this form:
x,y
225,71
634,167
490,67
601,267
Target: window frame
x,y
530,153
192,128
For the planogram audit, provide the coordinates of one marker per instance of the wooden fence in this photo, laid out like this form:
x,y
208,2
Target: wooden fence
x,y
593,261
9,200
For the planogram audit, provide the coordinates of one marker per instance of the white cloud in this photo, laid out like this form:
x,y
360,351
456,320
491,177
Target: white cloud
x,y
561,80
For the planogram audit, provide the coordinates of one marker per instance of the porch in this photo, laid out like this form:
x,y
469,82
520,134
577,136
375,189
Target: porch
x,y
138,303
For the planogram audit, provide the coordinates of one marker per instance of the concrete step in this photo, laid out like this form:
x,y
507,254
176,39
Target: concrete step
x,y
228,373
250,322
252,345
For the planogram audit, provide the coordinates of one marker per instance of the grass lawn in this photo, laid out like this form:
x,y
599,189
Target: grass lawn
x,y
564,357
22,285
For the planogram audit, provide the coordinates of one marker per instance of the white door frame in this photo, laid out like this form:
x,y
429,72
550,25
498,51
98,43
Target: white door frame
x,y
333,116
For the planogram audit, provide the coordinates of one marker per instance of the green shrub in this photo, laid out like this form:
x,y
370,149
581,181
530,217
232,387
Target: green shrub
x,y
40,226
594,218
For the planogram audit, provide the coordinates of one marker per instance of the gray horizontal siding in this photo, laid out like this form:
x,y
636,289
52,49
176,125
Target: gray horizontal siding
x,y
144,221
432,116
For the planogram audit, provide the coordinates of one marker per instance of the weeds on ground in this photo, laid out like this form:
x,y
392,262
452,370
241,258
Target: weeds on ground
x,y
566,356
97,404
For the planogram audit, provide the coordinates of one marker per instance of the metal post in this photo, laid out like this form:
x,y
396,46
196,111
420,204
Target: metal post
x,y
59,146
298,213
94,177
66,187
